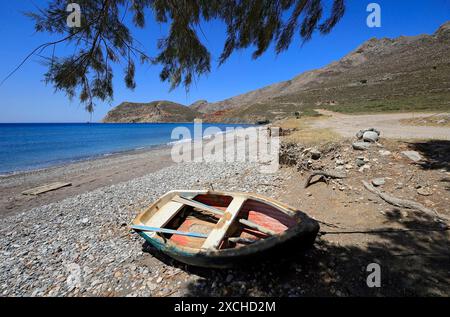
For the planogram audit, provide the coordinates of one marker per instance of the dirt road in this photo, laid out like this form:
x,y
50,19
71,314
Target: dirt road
x,y
389,124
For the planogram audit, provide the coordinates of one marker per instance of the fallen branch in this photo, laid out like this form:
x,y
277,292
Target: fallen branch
x,y
403,203
323,174
269,185
329,224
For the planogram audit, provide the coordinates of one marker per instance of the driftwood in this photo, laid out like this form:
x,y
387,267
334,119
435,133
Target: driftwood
x,y
323,174
45,188
269,185
403,203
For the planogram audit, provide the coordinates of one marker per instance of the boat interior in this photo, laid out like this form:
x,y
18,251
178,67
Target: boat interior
x,y
221,231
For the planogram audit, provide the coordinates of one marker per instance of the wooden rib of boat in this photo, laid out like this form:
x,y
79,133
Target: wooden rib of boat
x,y
223,229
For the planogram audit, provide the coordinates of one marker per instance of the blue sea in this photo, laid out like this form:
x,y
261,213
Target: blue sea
x,y
29,146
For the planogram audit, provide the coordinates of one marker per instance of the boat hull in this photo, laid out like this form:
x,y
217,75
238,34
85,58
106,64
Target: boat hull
x,y
292,242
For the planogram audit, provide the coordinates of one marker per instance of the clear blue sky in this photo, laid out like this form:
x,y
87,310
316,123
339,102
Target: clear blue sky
x,y
25,98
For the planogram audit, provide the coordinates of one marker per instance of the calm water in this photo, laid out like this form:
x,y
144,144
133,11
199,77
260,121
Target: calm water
x,y
26,146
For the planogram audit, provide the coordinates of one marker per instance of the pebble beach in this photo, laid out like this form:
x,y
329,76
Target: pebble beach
x,y
83,246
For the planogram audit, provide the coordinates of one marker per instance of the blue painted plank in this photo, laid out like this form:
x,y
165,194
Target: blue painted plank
x,y
170,231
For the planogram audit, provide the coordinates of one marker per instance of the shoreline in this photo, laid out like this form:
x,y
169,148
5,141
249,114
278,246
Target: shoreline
x,y
68,163
85,175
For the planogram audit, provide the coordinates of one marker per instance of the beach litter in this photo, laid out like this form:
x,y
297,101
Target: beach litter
x,y
45,188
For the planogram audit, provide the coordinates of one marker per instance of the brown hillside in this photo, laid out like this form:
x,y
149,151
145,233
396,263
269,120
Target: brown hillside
x,y
406,73
156,111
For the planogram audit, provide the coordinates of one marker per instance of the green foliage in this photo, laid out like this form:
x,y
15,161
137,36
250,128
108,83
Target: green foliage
x,y
103,38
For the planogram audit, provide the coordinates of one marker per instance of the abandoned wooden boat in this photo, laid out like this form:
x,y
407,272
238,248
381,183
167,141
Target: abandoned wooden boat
x,y
223,229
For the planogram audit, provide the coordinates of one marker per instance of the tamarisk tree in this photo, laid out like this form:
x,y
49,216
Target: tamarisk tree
x,y
103,39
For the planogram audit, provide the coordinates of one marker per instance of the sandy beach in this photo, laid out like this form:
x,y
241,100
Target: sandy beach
x,y
84,175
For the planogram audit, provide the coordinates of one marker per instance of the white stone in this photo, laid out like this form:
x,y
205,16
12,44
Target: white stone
x,y
413,155
384,152
370,136
378,181
361,145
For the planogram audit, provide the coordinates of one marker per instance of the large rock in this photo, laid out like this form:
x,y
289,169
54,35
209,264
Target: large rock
x,y
361,146
370,136
361,133
413,155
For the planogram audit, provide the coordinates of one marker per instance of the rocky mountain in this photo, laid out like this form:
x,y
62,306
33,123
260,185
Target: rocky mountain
x,y
401,74
381,75
199,104
156,111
